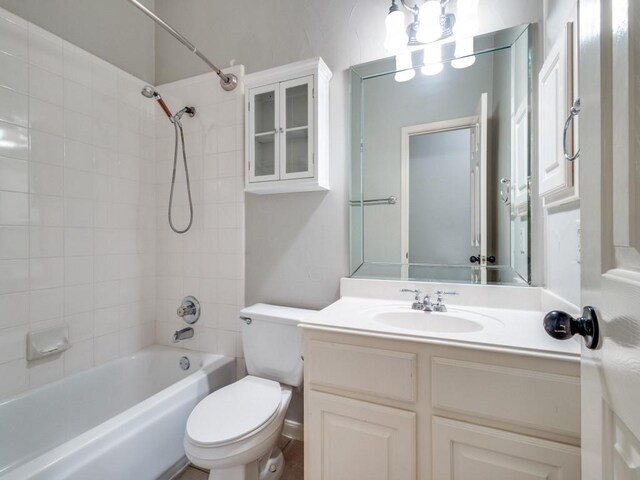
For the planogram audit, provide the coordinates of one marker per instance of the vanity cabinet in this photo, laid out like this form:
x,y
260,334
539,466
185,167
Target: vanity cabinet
x,y
389,409
287,128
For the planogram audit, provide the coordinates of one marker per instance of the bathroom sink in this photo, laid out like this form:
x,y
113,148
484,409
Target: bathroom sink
x,y
436,322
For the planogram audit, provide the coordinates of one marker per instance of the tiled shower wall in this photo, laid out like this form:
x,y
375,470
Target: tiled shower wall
x,y
207,261
77,205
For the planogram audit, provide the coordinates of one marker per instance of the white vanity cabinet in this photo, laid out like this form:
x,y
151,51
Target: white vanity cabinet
x,y
391,409
287,128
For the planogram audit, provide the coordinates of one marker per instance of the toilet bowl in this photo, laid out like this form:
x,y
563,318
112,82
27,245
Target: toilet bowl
x,y
234,431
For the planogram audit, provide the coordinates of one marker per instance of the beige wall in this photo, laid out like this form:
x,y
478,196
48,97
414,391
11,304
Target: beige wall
x,y
110,29
297,244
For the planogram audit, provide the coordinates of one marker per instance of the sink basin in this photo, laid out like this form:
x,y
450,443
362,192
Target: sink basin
x,y
436,322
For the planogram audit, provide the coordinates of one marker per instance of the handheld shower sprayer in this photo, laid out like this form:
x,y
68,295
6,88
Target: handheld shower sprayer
x,y
150,92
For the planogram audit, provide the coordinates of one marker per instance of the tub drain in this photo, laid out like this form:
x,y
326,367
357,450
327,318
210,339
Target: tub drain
x,y
185,363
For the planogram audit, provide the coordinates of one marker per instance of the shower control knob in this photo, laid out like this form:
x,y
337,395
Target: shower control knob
x,y
189,310
562,326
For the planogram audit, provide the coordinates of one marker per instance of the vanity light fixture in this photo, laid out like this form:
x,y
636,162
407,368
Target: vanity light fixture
x,y
430,23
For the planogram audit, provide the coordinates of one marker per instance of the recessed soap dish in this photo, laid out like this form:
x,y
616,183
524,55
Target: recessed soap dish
x,y
47,342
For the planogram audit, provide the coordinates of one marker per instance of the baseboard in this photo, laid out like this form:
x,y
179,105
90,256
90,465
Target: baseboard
x,y
293,430
174,472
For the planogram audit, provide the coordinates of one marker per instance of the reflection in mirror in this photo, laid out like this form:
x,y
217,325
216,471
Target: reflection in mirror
x,y
440,166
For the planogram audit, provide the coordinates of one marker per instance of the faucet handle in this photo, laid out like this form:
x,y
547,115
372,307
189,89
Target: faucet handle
x,y
442,293
414,291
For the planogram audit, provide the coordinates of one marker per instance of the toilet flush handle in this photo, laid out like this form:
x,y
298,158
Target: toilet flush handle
x,y
246,320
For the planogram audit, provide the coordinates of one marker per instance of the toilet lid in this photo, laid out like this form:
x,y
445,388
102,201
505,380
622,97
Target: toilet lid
x,y
234,411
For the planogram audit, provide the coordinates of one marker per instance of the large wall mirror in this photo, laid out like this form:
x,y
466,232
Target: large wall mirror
x,y
440,164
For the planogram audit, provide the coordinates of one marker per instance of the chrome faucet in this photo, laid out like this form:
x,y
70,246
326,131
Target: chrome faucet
x,y
182,334
426,305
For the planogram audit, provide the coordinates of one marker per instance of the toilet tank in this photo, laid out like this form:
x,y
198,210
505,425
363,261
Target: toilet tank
x,y
272,342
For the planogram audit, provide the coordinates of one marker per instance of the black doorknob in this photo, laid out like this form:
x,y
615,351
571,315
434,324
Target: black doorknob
x,y
563,326
491,259
474,259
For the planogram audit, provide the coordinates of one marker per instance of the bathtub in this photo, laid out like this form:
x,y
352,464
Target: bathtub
x,y
122,420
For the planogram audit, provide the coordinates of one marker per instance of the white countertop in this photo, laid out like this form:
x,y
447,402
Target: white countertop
x,y
509,330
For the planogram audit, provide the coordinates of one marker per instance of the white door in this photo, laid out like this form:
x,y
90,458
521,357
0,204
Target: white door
x,y
296,128
478,181
610,218
264,134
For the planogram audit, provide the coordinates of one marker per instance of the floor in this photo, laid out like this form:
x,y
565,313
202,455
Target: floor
x,y
293,463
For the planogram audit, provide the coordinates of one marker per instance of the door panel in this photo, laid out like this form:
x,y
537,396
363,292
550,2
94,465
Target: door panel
x,y
264,134
462,451
610,90
296,139
360,440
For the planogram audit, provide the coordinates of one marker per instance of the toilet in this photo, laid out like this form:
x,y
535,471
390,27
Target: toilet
x,y
234,431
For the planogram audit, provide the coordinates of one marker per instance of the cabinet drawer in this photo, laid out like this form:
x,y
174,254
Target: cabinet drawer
x,y
386,374
544,401
463,451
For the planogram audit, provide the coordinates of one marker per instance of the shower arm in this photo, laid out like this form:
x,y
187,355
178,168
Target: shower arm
x,y
227,81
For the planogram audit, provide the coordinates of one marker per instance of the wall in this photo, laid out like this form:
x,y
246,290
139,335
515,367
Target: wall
x,y
208,260
77,221
112,30
297,244
561,237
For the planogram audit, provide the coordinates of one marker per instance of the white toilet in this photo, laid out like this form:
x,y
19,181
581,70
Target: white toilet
x,y
234,431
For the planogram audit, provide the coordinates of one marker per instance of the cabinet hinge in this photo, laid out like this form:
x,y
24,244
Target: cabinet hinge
x,y
313,92
248,106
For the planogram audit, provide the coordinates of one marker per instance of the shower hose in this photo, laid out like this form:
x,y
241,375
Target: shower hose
x,y
178,126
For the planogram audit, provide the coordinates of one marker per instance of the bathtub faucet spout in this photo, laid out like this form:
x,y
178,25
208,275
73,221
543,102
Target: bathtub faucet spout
x,y
182,334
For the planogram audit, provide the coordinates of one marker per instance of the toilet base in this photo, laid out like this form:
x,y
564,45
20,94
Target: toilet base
x,y
270,467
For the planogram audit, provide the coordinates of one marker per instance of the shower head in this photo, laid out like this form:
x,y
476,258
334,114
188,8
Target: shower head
x,y
150,92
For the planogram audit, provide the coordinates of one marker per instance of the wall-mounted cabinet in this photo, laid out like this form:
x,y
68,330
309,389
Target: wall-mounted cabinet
x,y
287,128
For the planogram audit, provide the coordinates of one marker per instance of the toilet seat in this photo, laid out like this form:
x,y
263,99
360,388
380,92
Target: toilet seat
x,y
234,412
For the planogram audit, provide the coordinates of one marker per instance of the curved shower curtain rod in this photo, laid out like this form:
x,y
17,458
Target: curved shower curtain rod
x,y
228,81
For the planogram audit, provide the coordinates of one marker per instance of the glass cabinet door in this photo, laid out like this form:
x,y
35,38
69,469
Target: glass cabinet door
x,y
264,146
296,128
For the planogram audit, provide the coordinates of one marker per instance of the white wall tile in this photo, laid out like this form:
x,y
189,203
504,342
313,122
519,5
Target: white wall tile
x,y
14,310
14,208
45,85
46,211
47,179
46,242
77,206
47,148
46,272
46,304
13,38
14,174
14,243
46,116
14,73
45,49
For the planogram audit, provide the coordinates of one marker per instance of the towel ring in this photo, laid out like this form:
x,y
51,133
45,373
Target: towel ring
x,y
574,111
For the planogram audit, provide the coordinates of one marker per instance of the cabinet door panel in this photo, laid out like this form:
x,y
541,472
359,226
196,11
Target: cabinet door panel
x,y
264,145
462,451
296,139
354,440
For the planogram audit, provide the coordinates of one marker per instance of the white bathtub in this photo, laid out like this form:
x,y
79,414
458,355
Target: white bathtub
x,y
122,420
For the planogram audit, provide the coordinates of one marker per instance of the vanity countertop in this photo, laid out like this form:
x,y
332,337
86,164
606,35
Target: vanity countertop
x,y
507,330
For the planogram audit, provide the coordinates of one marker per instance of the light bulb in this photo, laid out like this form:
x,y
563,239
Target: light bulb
x,y
464,53
396,34
432,59
429,18
404,67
